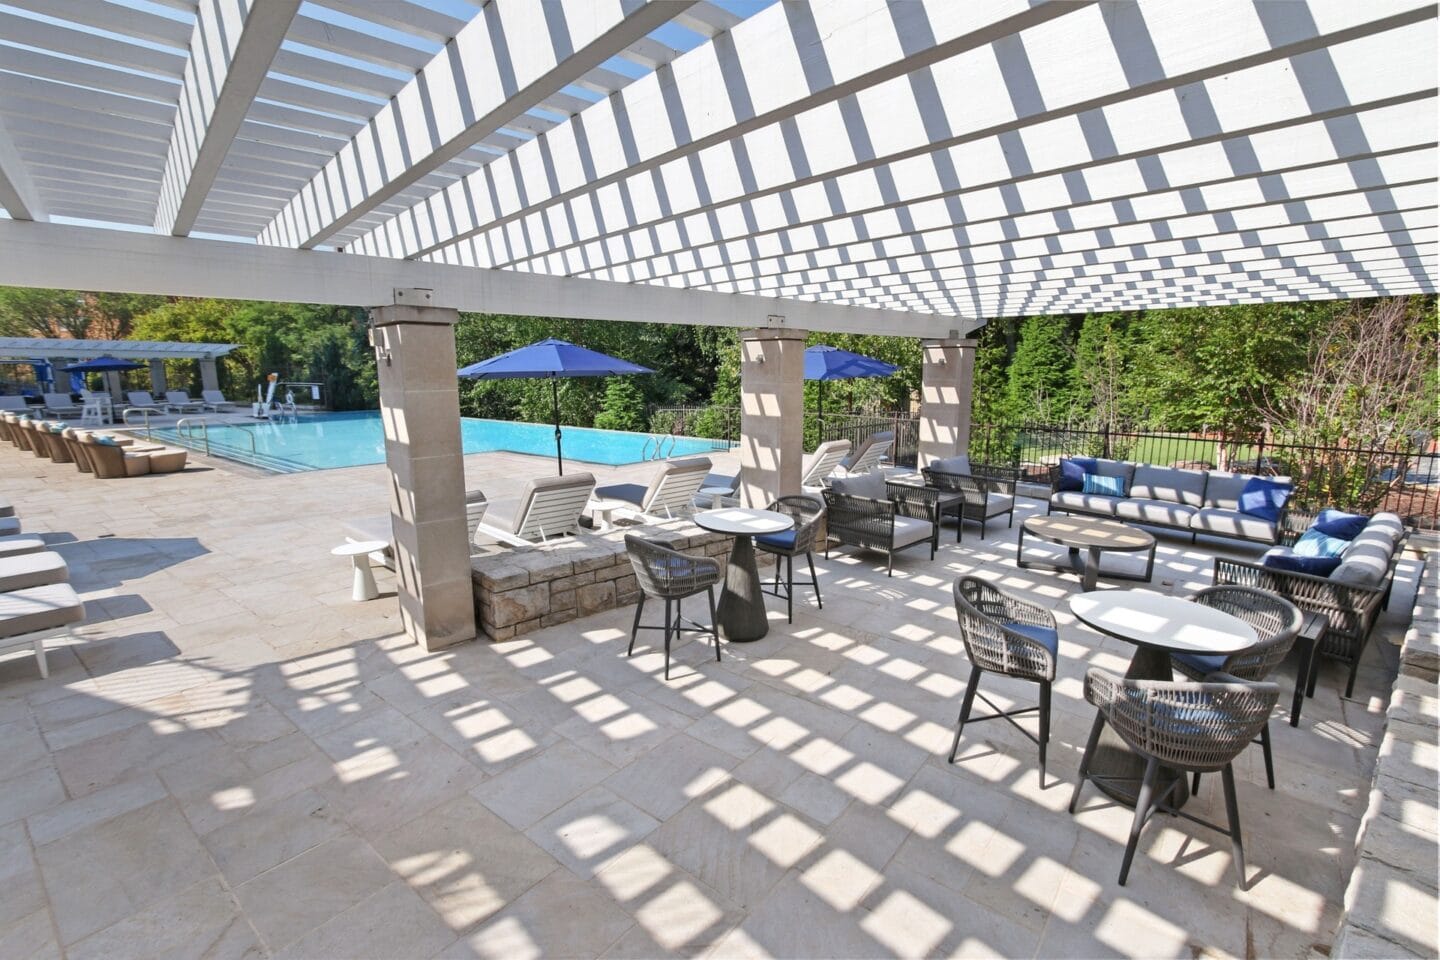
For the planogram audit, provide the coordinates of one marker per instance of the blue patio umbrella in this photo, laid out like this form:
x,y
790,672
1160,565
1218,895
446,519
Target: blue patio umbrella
x,y
551,359
824,362
102,365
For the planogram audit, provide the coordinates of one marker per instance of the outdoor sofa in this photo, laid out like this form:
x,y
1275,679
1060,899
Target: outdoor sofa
x,y
1213,502
1350,596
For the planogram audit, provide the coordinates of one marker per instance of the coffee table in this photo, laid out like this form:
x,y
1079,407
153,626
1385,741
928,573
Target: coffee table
x,y
1092,536
1158,625
740,614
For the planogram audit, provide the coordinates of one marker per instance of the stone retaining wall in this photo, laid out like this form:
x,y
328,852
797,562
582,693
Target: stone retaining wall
x,y
521,590
1392,908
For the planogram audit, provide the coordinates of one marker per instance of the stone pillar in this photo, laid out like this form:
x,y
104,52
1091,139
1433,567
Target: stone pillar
x,y
209,375
772,413
158,384
420,409
947,377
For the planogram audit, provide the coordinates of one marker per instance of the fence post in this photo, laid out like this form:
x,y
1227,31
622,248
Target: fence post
x,y
1260,454
1105,440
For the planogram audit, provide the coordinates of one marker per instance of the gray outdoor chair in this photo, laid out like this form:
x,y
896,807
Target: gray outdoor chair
x,y
986,491
1011,637
546,508
671,576
1277,623
799,541
670,493
1190,727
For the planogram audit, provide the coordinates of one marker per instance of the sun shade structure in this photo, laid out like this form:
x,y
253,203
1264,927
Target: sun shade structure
x,y
102,365
57,347
824,362
551,359
909,168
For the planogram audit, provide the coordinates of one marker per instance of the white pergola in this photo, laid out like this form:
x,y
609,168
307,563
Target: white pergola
x,y
54,348
910,168
945,162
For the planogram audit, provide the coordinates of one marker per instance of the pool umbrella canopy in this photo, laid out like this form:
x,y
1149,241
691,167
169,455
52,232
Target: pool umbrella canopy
x,y
102,365
824,362
551,359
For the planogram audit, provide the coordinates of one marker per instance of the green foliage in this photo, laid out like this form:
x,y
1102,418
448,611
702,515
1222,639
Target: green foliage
x,y
1038,387
623,407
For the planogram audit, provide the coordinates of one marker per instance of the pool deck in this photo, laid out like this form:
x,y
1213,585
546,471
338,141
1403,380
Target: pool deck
x,y
235,760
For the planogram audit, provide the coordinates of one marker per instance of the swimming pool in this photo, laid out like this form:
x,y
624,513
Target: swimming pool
x,y
329,440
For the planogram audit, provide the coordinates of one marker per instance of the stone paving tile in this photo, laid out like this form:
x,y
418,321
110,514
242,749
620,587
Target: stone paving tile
x,y
235,760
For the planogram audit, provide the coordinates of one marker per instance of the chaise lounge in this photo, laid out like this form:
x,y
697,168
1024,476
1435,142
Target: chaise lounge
x,y
545,509
669,494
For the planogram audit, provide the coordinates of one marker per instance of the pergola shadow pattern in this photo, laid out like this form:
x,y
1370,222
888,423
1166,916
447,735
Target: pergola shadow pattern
x,y
263,766
966,160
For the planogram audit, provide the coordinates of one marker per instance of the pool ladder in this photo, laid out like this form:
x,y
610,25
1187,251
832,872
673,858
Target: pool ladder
x,y
660,452
186,428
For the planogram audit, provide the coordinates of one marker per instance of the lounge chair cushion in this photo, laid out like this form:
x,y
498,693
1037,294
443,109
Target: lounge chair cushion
x,y
910,530
32,570
16,544
7,509
167,460
1169,484
1201,663
1090,503
1164,512
870,485
1045,635
629,492
9,526
39,608
1233,523
1366,559
1223,490
1116,468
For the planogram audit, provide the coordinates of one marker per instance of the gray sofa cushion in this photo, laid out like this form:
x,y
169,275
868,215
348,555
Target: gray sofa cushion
x,y
865,485
1367,559
1084,502
1233,523
909,530
1163,512
1116,468
960,464
1170,484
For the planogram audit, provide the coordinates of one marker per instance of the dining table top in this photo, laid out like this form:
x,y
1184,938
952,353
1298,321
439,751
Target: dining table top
x,y
1159,620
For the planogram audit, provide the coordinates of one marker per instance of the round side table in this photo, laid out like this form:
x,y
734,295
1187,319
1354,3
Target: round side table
x,y
359,553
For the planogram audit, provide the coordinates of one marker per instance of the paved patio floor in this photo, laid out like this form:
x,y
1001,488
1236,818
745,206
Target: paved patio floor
x,y
237,761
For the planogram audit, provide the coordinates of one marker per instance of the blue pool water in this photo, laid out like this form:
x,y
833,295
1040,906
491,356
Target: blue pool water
x,y
325,441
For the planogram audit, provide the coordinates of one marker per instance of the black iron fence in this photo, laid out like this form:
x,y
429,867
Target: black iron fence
x,y
1401,474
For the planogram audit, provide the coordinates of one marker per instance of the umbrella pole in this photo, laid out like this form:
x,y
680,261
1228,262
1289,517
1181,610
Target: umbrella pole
x,y
555,403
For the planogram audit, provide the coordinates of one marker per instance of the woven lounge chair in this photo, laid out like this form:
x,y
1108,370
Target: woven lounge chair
x,y
870,513
1010,637
670,492
110,461
1191,727
986,494
668,575
545,509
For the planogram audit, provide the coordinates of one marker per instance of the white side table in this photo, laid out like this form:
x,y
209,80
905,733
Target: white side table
x,y
602,509
359,553
716,495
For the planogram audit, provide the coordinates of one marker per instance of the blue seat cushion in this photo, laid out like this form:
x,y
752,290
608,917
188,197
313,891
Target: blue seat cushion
x,y
784,540
1044,635
1315,566
1264,498
1201,663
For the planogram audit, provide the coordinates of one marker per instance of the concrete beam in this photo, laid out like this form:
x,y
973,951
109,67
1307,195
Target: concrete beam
x,y
230,53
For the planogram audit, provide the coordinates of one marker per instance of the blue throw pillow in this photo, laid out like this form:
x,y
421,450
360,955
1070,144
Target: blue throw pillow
x,y
1314,543
1104,486
1264,498
1316,566
1338,523
1072,472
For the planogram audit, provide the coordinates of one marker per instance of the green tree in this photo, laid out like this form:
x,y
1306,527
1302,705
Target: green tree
x,y
1038,387
623,407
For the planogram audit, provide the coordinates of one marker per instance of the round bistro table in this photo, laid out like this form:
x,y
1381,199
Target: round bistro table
x,y
741,610
1092,536
363,583
1158,625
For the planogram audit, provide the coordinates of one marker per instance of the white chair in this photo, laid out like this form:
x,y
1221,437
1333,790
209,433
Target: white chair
x,y
33,615
816,468
545,509
216,401
670,493
869,455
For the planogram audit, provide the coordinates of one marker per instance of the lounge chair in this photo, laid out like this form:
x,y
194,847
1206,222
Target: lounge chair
x,y
14,404
60,405
31,616
17,544
216,401
178,401
24,570
50,438
142,398
816,468
717,490
545,509
110,461
869,455
670,493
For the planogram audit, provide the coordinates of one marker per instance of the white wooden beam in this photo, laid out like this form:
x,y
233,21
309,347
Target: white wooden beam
x,y
509,58
230,51
87,258
17,192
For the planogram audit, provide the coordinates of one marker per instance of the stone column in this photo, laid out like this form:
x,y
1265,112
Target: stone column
x,y
158,384
209,375
420,409
772,411
947,378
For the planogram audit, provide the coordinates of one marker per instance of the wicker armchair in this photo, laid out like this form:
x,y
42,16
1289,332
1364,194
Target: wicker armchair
x,y
1191,727
905,516
1008,636
1350,608
671,576
1277,623
988,492
798,541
